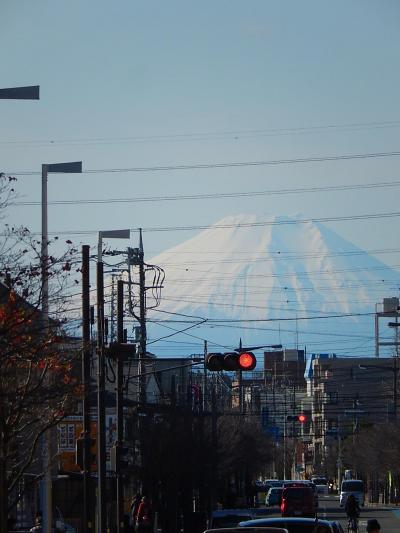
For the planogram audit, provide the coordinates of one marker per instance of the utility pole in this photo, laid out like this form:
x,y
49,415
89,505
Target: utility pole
x,y
86,354
214,439
142,421
395,388
143,332
339,460
240,384
101,410
112,309
204,406
284,437
120,412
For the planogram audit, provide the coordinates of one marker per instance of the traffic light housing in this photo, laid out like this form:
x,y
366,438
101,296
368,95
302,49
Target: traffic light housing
x,y
244,361
302,418
79,450
118,457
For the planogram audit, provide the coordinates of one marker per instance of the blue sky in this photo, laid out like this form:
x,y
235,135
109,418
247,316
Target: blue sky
x,y
146,76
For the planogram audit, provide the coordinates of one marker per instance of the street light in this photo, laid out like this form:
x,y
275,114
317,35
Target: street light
x,y
62,168
395,371
20,93
111,234
101,408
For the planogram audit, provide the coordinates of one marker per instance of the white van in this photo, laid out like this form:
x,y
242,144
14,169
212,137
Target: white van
x,y
352,486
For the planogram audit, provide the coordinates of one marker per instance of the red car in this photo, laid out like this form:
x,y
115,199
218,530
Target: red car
x,y
298,501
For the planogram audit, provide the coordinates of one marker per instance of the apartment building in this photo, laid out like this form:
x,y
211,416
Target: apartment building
x,y
348,393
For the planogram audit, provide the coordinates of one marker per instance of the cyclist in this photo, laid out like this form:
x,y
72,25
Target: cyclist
x,y
353,512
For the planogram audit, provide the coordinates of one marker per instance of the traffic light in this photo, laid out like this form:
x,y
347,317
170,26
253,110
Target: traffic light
x,y
79,443
119,457
79,446
244,361
302,418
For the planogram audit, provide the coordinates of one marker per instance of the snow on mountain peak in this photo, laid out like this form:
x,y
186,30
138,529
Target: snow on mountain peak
x,y
273,270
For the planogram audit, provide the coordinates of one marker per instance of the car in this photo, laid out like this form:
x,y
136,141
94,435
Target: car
x,y
296,525
298,501
321,484
302,483
252,530
228,518
274,496
354,487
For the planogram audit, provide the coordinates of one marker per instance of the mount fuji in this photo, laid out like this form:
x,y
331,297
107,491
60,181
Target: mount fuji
x,y
267,281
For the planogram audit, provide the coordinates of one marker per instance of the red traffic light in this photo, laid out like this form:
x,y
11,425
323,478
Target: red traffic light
x,y
297,418
247,361
230,361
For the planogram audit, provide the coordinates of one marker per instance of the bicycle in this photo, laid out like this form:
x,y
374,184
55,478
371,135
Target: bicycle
x,y
352,524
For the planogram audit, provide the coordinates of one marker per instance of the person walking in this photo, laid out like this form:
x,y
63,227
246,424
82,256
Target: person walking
x,y
373,526
135,502
144,517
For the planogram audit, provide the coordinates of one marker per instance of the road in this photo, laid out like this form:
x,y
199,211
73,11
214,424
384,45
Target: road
x,y
388,517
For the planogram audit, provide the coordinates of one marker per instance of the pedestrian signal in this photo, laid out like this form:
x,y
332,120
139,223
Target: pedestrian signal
x,y
231,361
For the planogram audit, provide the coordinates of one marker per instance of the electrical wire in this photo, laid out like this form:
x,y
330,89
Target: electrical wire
x,y
214,227
355,126
216,196
238,164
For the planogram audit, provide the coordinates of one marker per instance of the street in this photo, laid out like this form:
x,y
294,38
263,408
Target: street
x,y
388,517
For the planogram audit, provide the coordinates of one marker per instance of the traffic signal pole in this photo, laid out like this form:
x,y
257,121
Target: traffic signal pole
x,y
120,412
86,354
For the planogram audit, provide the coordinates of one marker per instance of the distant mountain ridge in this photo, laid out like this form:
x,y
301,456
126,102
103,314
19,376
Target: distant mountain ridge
x,y
279,275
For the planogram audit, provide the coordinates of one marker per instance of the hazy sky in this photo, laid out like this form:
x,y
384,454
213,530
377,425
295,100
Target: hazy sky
x,y
146,76
140,84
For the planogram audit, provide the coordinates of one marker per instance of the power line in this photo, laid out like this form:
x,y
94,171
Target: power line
x,y
278,256
355,126
298,275
237,225
215,196
239,164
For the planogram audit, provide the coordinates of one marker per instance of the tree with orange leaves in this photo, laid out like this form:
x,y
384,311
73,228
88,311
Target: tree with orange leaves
x,y
37,383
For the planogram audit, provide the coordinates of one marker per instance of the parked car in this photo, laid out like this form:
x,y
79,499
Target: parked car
x,y
274,496
298,501
296,525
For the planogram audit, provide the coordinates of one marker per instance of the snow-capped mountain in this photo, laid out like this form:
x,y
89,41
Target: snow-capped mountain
x,y
271,280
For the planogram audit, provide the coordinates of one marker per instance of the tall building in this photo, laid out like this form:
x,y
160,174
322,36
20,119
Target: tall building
x,y
347,394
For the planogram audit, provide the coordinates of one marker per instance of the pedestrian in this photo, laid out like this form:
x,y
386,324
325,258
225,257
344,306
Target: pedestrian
x,y
144,517
373,526
37,528
135,502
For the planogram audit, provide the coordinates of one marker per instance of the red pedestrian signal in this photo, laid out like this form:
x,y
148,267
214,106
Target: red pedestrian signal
x,y
302,418
231,361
